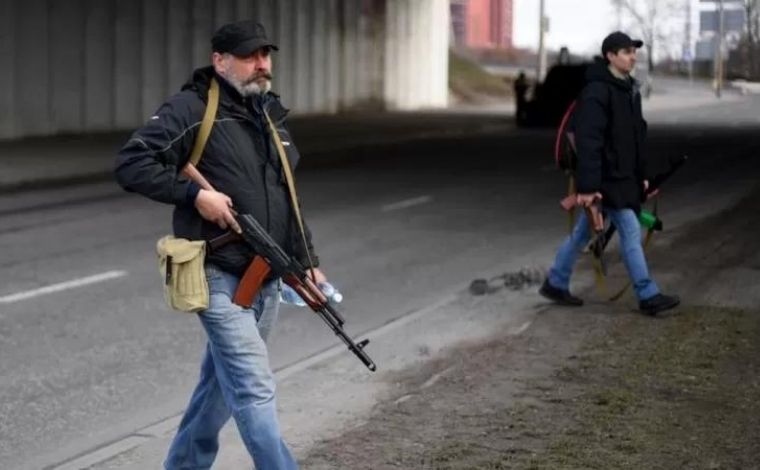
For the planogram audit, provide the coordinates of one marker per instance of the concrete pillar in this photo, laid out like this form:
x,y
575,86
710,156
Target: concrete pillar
x,y
301,34
67,53
128,74
224,12
244,9
362,51
392,51
201,32
31,67
154,60
317,50
99,66
7,73
349,13
284,80
438,91
265,11
332,59
416,63
179,41
376,50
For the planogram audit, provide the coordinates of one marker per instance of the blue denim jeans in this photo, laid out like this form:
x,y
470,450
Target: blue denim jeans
x,y
628,227
235,380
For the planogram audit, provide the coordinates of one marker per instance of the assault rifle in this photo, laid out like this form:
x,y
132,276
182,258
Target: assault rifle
x,y
271,258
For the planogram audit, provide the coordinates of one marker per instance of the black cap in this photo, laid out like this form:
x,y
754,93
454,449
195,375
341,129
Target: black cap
x,y
619,40
241,38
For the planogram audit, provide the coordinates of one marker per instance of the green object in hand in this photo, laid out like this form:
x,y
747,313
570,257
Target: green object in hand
x,y
650,221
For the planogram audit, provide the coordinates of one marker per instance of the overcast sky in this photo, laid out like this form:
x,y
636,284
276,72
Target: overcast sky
x,y
578,24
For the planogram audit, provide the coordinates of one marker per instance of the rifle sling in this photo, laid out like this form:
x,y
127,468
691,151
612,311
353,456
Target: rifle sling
x,y
291,187
208,122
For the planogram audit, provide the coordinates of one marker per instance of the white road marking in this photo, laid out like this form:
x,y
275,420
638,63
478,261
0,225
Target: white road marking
x,y
407,203
522,328
84,281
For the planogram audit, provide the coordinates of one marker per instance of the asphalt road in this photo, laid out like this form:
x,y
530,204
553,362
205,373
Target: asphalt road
x,y
396,227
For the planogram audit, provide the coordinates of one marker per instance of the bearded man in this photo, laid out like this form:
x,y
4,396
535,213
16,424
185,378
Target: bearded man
x,y
242,164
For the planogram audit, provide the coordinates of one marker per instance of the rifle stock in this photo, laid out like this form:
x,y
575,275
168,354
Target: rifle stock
x,y
193,174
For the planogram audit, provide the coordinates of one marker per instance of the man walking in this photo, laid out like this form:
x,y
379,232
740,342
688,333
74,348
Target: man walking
x,y
611,168
241,162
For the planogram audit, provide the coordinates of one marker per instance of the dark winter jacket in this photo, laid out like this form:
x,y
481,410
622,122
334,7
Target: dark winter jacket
x,y
610,133
239,160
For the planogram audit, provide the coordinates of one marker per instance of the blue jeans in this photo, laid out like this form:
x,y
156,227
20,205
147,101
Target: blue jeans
x,y
235,380
628,227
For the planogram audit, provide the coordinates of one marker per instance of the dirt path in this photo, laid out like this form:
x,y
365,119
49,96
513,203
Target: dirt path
x,y
599,387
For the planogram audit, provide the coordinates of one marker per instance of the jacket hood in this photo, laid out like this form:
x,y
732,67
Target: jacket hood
x,y
199,81
600,72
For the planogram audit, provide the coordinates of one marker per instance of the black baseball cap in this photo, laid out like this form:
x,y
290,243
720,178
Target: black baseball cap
x,y
619,40
241,38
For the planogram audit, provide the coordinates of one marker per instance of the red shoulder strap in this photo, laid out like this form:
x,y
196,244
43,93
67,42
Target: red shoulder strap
x,y
561,131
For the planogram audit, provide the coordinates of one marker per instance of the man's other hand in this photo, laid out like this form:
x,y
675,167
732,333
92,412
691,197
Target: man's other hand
x,y
586,200
650,195
317,275
217,207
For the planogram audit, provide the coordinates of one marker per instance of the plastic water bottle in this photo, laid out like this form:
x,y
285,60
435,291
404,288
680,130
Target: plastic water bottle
x,y
290,296
332,294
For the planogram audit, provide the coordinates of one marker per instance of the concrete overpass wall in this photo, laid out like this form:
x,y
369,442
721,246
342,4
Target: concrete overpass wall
x,y
76,66
416,54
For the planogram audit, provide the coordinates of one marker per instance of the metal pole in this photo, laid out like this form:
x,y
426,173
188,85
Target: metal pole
x,y
688,45
719,52
541,71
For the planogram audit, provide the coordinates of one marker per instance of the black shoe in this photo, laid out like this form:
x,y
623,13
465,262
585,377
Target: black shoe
x,y
659,303
559,296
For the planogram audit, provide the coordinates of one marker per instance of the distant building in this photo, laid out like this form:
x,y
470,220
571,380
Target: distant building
x,y
482,24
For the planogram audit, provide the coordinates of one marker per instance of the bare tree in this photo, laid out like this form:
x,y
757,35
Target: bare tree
x,y
752,16
752,36
744,59
650,20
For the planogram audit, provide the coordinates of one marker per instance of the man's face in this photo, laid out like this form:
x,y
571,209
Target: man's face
x,y
624,60
250,74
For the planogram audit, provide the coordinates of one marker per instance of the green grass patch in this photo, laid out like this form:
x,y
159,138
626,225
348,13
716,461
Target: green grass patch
x,y
467,78
679,393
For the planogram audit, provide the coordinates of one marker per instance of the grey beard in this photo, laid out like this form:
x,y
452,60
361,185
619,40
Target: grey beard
x,y
253,88
250,88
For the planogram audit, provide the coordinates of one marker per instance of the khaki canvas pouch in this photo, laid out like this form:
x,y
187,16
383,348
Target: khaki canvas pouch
x,y
180,262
